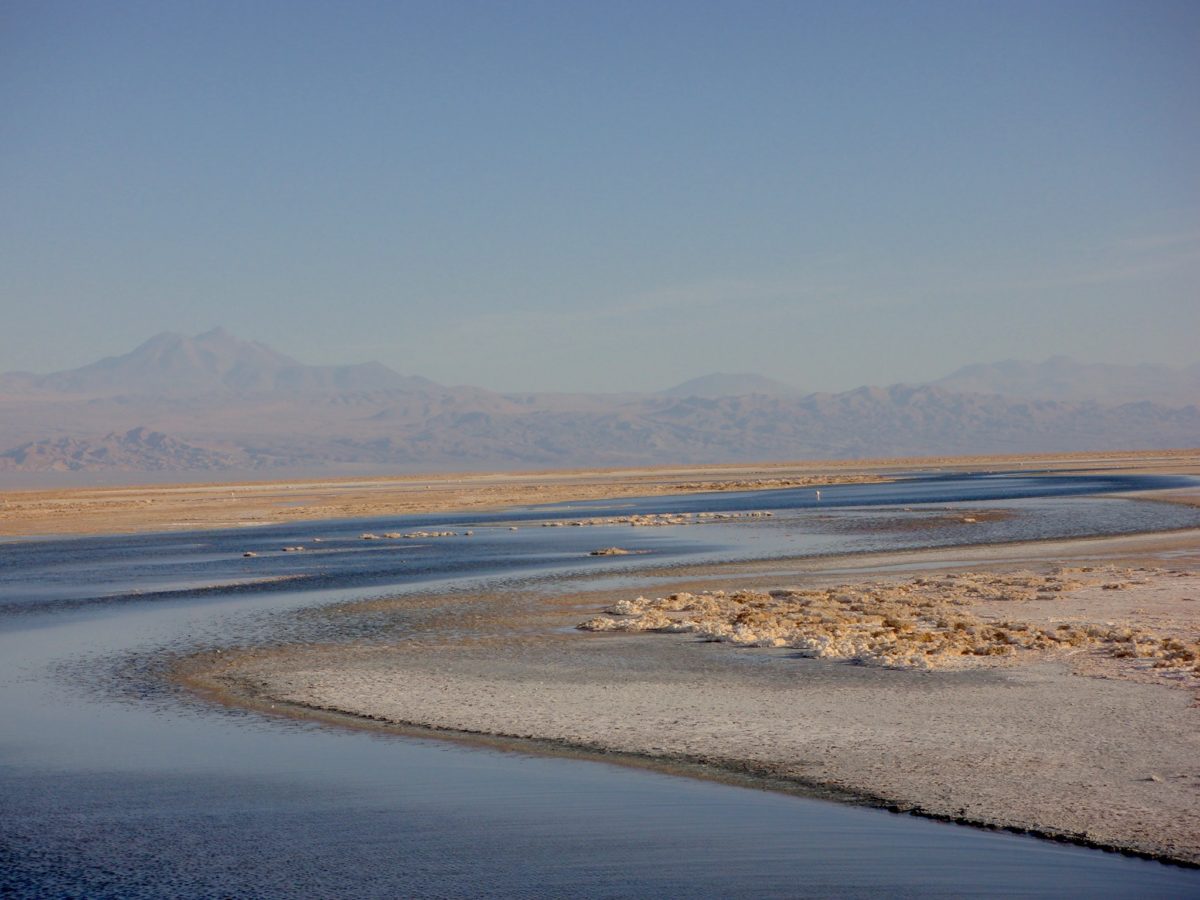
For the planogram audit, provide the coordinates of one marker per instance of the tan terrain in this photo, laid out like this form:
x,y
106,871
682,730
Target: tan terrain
x,y
134,508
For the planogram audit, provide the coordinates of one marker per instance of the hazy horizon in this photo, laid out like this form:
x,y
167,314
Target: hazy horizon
x,y
697,375
605,198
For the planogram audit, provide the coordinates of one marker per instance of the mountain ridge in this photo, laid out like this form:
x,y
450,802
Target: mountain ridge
x,y
213,403
172,364
1062,378
730,384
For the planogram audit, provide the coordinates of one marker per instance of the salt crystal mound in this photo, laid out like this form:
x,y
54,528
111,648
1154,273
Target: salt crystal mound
x,y
921,623
658,520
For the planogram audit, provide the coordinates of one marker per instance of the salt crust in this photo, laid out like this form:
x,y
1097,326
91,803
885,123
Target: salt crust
x,y
921,623
1020,741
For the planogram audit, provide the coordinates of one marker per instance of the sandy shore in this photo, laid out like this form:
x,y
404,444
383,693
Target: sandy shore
x,y
1078,742
145,508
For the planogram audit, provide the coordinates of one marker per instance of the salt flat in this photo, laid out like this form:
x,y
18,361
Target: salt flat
x,y
1080,742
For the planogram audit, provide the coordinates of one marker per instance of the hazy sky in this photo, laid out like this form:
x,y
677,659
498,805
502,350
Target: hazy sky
x,y
604,195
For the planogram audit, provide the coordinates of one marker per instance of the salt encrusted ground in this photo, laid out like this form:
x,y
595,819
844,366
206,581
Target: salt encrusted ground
x,y
948,620
1074,738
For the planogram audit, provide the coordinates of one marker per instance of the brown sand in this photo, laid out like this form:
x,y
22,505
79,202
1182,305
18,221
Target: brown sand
x,y
186,507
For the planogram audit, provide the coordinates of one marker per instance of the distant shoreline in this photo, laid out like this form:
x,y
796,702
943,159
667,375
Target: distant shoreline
x,y
183,507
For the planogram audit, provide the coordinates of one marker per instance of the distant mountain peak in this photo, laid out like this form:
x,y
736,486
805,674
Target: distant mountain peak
x,y
1062,378
164,337
174,364
730,384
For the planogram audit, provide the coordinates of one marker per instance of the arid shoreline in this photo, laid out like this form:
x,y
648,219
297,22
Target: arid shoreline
x,y
197,677
145,508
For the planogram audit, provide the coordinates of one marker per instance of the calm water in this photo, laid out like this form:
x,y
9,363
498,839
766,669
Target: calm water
x,y
111,784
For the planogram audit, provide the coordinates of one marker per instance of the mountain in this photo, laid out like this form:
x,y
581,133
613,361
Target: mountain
x,y
903,420
216,404
738,384
1060,378
171,364
137,450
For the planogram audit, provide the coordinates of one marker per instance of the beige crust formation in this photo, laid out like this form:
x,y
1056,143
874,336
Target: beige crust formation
x,y
925,622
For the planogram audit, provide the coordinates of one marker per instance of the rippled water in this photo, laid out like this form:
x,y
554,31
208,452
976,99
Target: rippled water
x,y
112,785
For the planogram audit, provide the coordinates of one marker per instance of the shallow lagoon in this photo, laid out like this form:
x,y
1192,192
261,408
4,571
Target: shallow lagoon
x,y
116,785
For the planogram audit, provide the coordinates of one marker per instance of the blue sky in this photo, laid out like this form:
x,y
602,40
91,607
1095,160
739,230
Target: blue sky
x,y
604,196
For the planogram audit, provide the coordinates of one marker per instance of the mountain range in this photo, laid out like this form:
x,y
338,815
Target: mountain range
x,y
1060,378
216,404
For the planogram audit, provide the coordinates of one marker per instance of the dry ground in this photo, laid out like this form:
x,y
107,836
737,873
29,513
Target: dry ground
x,y
224,505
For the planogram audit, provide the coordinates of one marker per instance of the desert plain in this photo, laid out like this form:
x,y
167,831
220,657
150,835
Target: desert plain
x,y
133,508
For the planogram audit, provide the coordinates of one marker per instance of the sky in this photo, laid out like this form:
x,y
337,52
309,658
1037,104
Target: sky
x,y
604,196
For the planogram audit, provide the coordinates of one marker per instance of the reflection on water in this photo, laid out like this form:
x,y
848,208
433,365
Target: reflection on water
x,y
115,790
